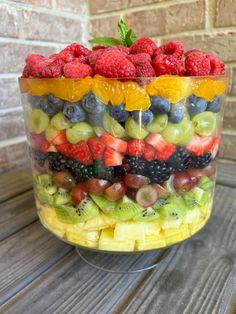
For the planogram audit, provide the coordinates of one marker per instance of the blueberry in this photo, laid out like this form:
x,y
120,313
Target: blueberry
x,y
199,106
56,102
74,112
159,105
95,119
37,102
214,105
145,117
177,112
118,113
92,104
192,99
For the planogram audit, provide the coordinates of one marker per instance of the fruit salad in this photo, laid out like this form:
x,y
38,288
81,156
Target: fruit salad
x,y
123,140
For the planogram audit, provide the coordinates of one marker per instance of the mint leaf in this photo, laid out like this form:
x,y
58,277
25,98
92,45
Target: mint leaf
x,y
130,38
105,41
123,30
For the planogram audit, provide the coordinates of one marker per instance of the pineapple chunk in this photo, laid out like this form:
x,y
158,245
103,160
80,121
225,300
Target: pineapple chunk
x,y
151,242
108,243
167,224
192,216
152,228
84,238
196,227
174,235
99,222
206,209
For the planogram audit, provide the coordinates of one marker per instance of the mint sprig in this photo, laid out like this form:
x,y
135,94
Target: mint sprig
x,y
126,34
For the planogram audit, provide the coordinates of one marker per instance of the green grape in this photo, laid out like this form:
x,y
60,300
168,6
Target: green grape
x,y
80,131
134,130
205,123
158,124
60,122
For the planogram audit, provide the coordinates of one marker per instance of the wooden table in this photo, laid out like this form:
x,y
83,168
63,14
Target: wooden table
x,y
41,274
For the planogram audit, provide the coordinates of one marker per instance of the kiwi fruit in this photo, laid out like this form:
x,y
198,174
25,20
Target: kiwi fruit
x,y
126,209
43,196
46,184
159,203
104,204
39,121
87,209
176,209
201,196
148,214
205,183
62,197
112,126
190,199
67,214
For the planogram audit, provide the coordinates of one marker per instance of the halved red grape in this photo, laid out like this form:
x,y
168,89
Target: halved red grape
x,y
162,193
97,186
147,195
131,193
77,195
209,170
182,182
115,191
135,181
195,173
63,180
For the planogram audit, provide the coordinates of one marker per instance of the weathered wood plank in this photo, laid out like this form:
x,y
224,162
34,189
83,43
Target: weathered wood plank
x,y
16,213
226,174
193,281
25,256
14,183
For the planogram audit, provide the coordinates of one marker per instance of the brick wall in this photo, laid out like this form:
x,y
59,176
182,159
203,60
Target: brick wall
x,y
40,26
209,25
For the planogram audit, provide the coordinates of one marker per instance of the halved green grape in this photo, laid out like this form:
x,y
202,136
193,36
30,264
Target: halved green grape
x,y
205,123
51,132
134,130
112,126
187,129
60,122
172,133
158,124
39,121
80,131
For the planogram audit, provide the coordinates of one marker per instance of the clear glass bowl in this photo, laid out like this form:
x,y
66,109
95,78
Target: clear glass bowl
x,y
123,165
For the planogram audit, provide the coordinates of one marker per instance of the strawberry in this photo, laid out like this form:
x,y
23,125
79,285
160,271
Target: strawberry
x,y
113,142
200,144
135,148
149,152
60,138
215,146
157,141
96,148
81,152
38,141
64,149
112,158
166,153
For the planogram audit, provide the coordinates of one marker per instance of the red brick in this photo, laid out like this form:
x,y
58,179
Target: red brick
x,y
13,55
9,92
230,115
99,6
221,44
40,3
225,13
42,26
78,6
13,157
228,147
8,14
104,27
11,124
133,3
172,19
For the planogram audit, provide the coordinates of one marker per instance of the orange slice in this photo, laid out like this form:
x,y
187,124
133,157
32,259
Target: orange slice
x,y
209,88
136,97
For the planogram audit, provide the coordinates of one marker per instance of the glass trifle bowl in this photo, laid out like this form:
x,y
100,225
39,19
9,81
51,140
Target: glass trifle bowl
x,y
123,165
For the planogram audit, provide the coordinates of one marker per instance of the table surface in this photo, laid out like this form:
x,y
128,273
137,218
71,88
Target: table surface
x,y
41,274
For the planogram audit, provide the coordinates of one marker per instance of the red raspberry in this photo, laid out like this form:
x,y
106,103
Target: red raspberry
x,y
149,152
168,64
139,58
112,63
33,58
142,63
143,44
156,53
98,47
37,68
75,69
145,70
123,49
96,147
217,66
54,69
75,49
197,64
27,71
174,48
135,148
93,55
187,53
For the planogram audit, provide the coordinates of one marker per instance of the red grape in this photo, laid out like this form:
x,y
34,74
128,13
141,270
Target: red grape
x,y
63,180
209,170
146,195
135,181
131,193
115,191
162,193
77,194
182,182
97,186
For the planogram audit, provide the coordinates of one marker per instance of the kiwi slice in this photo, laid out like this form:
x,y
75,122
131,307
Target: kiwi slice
x,y
175,210
80,131
201,196
39,121
87,209
158,124
159,203
45,180
205,183
67,214
126,209
62,197
106,205
148,214
134,130
190,199
112,126
43,196
59,121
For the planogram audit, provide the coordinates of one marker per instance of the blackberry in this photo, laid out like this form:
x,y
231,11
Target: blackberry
x,y
180,160
101,172
202,161
57,162
39,157
136,165
79,171
159,172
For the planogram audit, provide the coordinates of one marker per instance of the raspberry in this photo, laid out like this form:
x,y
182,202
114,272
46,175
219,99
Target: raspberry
x,y
217,66
156,53
145,70
33,58
93,55
135,148
27,71
139,58
187,53
75,69
197,64
98,47
37,68
96,147
143,44
124,50
54,69
174,48
142,63
113,64
168,64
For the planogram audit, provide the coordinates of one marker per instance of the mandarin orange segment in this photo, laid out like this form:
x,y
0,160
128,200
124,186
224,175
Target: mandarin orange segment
x,y
174,88
38,87
209,88
136,97
24,86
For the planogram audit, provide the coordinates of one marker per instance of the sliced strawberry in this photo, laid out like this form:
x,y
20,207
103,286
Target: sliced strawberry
x,y
166,153
113,142
112,158
135,148
157,141
81,152
200,145
64,149
149,152
96,148
215,146
60,138
52,148
38,141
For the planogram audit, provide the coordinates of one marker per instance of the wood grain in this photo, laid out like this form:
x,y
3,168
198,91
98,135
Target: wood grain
x,y
226,174
193,281
16,213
